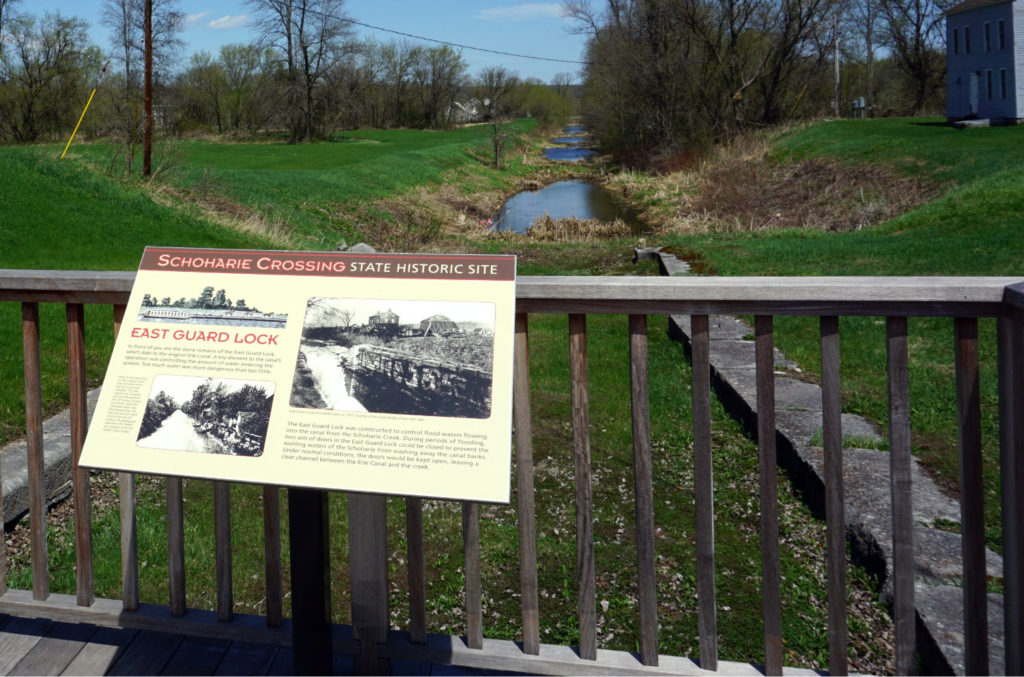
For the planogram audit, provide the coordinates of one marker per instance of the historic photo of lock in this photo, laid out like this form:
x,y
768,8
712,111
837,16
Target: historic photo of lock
x,y
211,415
423,358
211,306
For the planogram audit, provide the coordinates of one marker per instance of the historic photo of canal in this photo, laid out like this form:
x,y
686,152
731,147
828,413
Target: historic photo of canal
x,y
209,307
424,358
212,415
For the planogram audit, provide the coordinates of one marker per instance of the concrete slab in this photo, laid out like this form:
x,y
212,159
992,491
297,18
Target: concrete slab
x,y
56,462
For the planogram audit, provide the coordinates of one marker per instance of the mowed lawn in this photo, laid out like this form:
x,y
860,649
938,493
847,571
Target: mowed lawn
x,y
61,215
299,187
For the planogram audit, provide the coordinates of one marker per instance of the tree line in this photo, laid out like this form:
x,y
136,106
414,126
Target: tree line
x,y
304,73
666,75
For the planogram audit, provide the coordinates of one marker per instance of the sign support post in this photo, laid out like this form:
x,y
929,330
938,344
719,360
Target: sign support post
x,y
309,543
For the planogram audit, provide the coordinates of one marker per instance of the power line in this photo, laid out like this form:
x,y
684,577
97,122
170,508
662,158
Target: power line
x,y
446,42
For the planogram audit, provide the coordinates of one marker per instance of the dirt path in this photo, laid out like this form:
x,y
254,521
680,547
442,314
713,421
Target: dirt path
x,y
178,432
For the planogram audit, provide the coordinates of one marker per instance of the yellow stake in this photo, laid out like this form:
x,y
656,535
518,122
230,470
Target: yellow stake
x,y
82,117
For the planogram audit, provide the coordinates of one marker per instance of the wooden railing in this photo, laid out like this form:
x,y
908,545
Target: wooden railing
x,y
896,299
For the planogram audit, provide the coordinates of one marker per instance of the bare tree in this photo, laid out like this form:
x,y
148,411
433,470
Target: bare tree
x,y
6,13
399,60
562,82
913,31
310,34
496,88
440,74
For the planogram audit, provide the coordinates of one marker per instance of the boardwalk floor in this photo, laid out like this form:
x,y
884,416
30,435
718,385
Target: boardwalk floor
x,y
36,646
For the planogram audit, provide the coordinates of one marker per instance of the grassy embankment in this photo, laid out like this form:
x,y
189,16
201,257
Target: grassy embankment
x,y
735,465
968,222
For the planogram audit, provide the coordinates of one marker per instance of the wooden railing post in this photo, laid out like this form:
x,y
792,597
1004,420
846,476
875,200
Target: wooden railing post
x,y
643,490
129,527
416,569
471,567
972,506
34,442
902,502
272,554
526,518
80,476
222,549
587,588
703,491
835,518
1011,454
175,546
764,348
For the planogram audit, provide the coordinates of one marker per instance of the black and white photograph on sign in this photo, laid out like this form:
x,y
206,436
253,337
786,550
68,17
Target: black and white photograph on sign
x,y
211,415
423,358
210,306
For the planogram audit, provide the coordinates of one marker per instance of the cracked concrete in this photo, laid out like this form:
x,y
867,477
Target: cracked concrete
x,y
937,553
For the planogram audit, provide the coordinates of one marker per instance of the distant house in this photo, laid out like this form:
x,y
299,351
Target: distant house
x,y
982,60
471,111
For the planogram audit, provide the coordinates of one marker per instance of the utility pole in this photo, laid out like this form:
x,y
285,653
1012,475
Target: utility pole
x,y
835,61
147,95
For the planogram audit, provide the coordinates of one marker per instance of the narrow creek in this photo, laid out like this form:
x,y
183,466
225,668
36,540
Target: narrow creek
x,y
570,199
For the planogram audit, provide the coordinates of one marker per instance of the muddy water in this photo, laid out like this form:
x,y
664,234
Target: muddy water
x,y
564,199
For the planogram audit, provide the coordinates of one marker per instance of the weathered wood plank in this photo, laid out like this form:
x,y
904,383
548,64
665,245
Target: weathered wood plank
x,y
525,510
368,562
34,441
902,507
175,546
703,489
272,554
147,654
643,490
586,582
832,441
18,638
471,566
768,470
129,541
222,549
416,574
1011,455
129,525
55,650
102,651
310,548
972,506
247,658
77,383
197,656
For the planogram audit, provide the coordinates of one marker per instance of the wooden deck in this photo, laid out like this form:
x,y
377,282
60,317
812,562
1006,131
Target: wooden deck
x,y
38,646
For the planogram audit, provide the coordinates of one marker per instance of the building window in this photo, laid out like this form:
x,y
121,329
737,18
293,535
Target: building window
x,y
1002,82
988,83
1002,34
956,41
988,36
967,39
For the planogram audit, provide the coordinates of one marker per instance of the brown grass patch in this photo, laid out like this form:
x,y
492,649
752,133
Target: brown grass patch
x,y
224,212
812,194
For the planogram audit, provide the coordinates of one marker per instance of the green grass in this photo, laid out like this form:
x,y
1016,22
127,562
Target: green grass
x,y
60,215
302,185
975,228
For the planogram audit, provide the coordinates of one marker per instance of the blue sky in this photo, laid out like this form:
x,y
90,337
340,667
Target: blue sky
x,y
534,28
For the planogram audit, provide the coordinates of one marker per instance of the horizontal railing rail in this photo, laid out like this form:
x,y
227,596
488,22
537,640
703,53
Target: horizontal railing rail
x,y
895,298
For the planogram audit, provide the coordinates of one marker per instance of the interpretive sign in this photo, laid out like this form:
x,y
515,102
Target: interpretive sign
x,y
381,373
